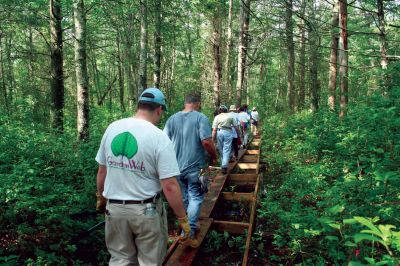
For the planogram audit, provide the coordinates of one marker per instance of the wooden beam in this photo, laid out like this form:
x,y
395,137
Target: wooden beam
x,y
238,196
251,178
252,152
247,166
184,255
251,224
249,159
230,227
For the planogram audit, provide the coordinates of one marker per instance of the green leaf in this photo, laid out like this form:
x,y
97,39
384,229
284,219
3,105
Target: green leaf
x,y
360,237
367,223
336,209
335,225
350,244
124,144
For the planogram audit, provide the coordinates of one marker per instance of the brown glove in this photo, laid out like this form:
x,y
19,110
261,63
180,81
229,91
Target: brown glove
x,y
184,224
101,203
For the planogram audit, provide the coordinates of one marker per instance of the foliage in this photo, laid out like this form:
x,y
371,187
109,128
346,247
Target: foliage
x,y
332,186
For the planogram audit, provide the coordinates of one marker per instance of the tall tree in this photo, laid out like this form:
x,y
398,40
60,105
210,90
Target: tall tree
x,y
290,50
314,44
242,48
333,57
229,45
143,47
216,42
302,58
343,57
157,44
382,34
81,70
57,75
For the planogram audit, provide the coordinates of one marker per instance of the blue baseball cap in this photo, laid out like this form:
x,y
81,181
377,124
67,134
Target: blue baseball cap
x,y
153,95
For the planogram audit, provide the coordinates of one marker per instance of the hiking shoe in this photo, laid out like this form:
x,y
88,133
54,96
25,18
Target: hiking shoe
x,y
193,242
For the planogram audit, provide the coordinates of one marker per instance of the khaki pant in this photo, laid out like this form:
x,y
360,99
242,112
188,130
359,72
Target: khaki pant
x,y
136,238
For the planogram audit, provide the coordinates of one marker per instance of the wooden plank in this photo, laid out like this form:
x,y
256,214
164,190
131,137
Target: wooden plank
x,y
238,196
184,255
247,166
249,159
251,224
214,191
252,152
251,178
230,227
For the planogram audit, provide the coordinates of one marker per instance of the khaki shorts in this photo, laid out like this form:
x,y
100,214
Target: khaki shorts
x,y
136,238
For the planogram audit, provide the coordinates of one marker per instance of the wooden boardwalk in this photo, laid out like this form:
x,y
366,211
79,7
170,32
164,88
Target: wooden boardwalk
x,y
243,172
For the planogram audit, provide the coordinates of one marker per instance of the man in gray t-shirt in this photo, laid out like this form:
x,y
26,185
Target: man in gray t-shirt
x,y
190,133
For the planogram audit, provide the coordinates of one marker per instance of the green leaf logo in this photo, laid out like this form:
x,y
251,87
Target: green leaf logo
x,y
124,144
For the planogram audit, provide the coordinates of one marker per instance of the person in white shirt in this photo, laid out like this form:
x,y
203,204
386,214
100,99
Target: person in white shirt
x,y
254,120
244,120
236,136
136,161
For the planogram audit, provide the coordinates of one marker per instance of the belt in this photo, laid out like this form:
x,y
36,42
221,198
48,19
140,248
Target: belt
x,y
151,200
224,128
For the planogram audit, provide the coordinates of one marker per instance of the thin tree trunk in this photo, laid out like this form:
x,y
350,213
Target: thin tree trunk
x,y
228,53
290,49
343,57
333,58
120,73
143,47
3,82
382,34
302,59
157,44
129,68
57,76
81,70
217,57
314,44
242,48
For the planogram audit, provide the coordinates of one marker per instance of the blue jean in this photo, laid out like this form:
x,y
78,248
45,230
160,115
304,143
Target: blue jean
x,y
192,197
224,143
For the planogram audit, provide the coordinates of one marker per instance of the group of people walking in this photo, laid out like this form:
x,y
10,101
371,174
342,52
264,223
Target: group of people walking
x,y
232,130
137,161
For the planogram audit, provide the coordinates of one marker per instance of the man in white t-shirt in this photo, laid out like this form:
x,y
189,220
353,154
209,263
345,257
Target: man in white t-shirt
x,y
254,120
244,119
136,161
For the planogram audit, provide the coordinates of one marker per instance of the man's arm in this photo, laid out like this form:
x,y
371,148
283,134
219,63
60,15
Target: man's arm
x,y
173,195
208,145
101,178
214,134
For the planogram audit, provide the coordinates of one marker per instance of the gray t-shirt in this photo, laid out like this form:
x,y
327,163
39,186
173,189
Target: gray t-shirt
x,y
186,131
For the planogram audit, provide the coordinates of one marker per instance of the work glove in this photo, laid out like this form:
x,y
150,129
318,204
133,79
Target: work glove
x,y
101,203
184,224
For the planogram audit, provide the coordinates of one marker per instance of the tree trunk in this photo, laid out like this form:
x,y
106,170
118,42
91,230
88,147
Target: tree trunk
x,y
81,71
3,82
333,58
343,57
314,44
242,48
128,63
120,73
382,34
217,57
228,53
290,49
157,44
302,59
143,47
57,76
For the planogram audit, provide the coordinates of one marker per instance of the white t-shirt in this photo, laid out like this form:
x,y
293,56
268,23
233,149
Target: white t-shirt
x,y
254,115
137,155
244,117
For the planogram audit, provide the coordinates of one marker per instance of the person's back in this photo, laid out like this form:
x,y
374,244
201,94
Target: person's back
x,y
132,147
186,131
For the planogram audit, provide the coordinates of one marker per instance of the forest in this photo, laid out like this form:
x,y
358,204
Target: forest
x,y
323,74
